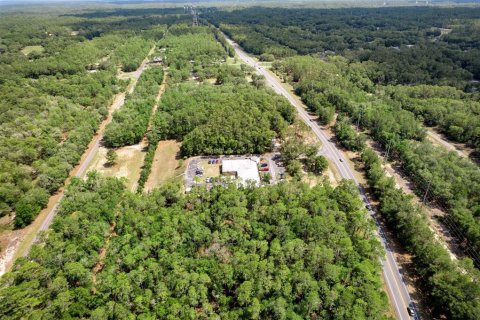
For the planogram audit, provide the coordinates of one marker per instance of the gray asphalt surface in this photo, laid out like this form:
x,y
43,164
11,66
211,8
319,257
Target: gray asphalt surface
x,y
395,284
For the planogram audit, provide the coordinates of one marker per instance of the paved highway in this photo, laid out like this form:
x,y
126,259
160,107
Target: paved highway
x,y
397,289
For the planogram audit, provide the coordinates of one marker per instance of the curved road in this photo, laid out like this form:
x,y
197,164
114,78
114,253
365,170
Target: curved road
x,y
397,289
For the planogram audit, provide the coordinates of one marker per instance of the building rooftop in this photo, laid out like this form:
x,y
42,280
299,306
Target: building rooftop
x,y
245,169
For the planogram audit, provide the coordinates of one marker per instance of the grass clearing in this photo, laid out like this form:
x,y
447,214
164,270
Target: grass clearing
x,y
329,174
166,164
209,170
235,62
29,49
128,165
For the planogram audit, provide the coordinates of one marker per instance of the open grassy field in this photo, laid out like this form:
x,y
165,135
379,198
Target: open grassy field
x,y
233,62
166,164
127,166
210,170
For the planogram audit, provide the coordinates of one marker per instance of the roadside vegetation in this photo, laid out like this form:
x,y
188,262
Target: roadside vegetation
x,y
282,251
443,177
273,252
298,153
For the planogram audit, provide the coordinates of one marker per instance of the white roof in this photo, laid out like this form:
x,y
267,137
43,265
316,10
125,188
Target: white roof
x,y
246,169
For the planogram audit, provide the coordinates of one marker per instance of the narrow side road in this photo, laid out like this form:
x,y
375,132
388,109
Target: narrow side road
x,y
87,157
45,218
437,139
393,278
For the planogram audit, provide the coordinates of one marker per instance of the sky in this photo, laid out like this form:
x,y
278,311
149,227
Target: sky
x,y
167,1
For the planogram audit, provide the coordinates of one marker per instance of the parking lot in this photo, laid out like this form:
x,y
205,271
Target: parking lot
x,y
277,170
205,171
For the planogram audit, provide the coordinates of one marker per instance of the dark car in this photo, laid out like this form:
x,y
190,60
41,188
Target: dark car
x,y
411,312
210,161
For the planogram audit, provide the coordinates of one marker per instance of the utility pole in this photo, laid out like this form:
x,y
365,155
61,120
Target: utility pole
x,y
388,150
358,119
426,192
194,17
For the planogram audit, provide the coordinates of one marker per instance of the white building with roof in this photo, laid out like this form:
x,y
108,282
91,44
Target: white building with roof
x,y
244,170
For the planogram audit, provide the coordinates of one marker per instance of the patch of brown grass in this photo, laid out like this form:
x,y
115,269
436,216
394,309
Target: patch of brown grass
x,y
209,170
166,164
128,165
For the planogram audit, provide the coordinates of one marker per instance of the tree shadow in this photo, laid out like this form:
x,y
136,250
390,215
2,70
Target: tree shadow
x,y
108,164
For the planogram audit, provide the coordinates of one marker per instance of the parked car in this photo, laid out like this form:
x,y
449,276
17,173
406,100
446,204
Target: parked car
x,y
217,161
411,312
264,165
264,169
210,161
199,172
208,180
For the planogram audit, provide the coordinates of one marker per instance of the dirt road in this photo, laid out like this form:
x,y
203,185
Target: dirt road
x,y
437,139
20,241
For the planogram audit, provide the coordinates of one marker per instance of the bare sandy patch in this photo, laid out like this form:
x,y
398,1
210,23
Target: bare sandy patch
x,y
166,164
329,174
333,175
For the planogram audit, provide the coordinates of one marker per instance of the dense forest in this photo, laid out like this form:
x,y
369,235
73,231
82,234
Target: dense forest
x,y
286,251
50,107
130,123
228,116
226,119
58,75
456,113
446,179
442,176
192,52
406,45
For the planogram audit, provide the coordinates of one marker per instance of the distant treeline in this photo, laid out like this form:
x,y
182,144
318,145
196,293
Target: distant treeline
x,y
409,45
